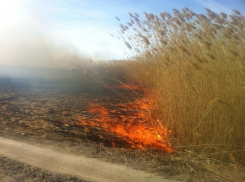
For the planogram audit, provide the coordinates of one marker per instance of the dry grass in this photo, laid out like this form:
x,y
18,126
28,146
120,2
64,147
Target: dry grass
x,y
195,63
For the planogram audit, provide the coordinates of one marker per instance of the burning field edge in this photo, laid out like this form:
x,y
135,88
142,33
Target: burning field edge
x,y
46,116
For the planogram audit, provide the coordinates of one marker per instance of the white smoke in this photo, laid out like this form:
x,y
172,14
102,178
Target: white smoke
x,y
25,39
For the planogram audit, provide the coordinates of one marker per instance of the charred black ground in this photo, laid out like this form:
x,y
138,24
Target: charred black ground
x,y
56,102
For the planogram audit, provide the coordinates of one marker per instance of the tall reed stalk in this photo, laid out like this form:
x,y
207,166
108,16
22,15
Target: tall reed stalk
x,y
195,63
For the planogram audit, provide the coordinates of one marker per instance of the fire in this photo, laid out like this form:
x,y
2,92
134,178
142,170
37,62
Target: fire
x,y
98,109
137,128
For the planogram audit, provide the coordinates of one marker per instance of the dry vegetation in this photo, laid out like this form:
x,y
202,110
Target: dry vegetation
x,y
195,63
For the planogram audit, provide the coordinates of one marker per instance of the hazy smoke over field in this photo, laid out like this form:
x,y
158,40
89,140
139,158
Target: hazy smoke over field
x,y
31,47
27,39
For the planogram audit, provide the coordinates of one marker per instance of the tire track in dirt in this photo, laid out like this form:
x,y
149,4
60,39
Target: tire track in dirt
x,y
82,167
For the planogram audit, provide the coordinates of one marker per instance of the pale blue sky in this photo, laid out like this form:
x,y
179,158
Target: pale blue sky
x,y
33,31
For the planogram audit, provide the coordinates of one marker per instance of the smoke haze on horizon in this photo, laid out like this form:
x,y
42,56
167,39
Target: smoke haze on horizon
x,y
31,47
26,39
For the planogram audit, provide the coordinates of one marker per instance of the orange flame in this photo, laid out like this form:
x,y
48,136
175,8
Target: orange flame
x,y
138,129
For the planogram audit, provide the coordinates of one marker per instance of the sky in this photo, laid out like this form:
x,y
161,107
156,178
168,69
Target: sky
x,y
67,33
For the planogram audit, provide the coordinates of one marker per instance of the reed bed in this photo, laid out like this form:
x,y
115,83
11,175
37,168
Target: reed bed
x,y
195,64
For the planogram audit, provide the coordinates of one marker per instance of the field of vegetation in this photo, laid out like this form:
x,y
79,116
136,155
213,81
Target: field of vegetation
x,y
195,65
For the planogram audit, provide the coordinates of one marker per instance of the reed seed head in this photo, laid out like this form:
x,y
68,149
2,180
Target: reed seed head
x,y
162,16
236,12
128,45
130,14
145,40
208,10
136,15
211,15
223,15
167,15
122,27
136,19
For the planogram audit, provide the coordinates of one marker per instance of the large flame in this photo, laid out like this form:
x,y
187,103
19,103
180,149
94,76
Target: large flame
x,y
135,125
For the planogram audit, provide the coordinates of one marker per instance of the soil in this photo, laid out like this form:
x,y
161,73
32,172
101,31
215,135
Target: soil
x,y
69,164
12,170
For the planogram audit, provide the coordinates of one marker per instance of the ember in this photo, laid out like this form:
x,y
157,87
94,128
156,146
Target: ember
x,y
130,122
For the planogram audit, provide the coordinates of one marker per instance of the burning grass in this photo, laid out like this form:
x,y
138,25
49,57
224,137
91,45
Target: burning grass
x,y
130,122
51,117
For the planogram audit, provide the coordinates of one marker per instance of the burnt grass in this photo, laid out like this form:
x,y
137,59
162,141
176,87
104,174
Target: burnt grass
x,y
32,108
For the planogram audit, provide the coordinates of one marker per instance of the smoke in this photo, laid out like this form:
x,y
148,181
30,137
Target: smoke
x,y
26,39
30,47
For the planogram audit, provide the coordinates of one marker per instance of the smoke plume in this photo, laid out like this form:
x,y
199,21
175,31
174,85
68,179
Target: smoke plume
x,y
27,39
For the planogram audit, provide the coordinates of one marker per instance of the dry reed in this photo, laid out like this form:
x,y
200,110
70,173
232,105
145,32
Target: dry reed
x,y
196,66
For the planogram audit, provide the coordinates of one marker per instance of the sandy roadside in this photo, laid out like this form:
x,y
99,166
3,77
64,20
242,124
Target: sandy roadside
x,y
82,167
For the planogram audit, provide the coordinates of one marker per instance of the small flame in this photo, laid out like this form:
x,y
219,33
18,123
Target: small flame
x,y
97,109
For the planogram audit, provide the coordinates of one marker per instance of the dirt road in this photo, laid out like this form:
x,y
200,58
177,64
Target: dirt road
x,y
84,168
